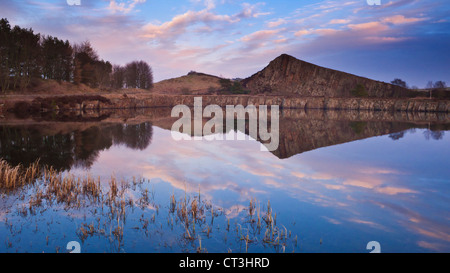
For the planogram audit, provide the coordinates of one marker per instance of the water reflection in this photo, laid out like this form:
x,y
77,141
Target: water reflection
x,y
376,189
382,176
63,147
63,143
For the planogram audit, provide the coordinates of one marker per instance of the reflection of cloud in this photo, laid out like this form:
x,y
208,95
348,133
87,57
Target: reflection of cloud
x,y
331,220
434,233
256,170
298,174
431,246
346,186
419,223
368,223
234,211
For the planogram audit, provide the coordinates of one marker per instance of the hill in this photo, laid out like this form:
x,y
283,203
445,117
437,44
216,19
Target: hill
x,y
287,75
192,83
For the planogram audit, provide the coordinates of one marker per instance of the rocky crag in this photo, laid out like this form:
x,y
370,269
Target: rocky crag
x,y
287,75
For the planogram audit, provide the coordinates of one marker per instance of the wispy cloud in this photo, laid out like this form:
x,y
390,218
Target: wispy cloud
x,y
124,6
179,24
237,39
277,23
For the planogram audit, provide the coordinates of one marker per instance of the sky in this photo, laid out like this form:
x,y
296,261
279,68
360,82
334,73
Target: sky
x,y
407,39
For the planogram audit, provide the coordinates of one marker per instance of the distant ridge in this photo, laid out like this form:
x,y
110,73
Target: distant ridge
x,y
286,75
193,83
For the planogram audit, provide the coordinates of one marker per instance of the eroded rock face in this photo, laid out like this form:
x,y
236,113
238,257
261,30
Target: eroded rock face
x,y
287,75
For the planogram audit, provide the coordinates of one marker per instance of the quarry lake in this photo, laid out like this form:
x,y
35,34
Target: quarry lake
x,y
119,182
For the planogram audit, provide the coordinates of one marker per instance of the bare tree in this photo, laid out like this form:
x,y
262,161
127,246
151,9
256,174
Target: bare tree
x,y
85,58
399,82
118,77
440,84
138,74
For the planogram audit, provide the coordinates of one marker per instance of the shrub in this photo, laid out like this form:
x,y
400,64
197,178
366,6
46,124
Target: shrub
x,y
225,84
185,91
232,87
359,91
211,90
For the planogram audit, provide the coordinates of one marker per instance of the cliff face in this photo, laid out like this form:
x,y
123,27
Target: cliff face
x,y
287,75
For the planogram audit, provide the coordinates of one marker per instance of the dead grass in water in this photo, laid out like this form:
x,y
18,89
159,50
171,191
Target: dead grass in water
x,y
190,215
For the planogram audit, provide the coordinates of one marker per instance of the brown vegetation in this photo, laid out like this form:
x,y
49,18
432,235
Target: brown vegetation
x,y
190,215
193,83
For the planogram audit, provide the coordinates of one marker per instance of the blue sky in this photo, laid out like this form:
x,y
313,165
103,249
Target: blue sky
x,y
409,39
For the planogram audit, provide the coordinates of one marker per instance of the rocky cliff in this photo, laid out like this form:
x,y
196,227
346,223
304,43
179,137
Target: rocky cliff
x,y
287,75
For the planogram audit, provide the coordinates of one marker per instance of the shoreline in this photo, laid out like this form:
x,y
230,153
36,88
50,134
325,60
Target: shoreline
x,y
102,101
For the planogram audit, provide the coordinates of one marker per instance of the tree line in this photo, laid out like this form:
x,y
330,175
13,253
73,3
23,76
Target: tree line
x,y
25,56
429,85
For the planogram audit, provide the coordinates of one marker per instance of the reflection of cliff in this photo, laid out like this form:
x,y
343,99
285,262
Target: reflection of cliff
x,y
302,131
65,148
298,136
64,144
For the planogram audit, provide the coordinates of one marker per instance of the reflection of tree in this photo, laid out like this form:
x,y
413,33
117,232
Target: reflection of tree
x,y
436,135
397,136
79,148
88,144
19,145
136,137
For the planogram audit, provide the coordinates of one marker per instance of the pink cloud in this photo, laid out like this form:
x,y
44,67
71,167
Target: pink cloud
x,y
339,21
179,23
400,19
374,26
277,23
124,7
302,32
260,35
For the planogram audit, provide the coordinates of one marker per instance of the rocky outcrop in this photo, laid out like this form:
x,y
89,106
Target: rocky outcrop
x,y
287,75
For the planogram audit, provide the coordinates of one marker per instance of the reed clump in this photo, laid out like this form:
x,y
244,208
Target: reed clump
x,y
15,177
191,216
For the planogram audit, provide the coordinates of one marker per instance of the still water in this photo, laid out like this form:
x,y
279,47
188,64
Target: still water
x,y
337,182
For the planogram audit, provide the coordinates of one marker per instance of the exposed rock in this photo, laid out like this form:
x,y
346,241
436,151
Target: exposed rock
x,y
287,75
